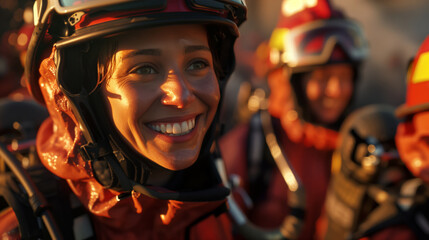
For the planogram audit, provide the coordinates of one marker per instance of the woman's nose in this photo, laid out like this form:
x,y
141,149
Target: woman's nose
x,y
176,91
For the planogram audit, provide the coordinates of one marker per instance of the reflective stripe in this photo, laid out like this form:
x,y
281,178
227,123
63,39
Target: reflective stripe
x,y
421,72
422,222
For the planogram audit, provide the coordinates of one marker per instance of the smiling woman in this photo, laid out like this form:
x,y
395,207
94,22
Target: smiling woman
x,y
163,97
133,89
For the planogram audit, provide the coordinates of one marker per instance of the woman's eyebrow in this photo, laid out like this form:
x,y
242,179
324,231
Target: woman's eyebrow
x,y
194,48
157,52
152,52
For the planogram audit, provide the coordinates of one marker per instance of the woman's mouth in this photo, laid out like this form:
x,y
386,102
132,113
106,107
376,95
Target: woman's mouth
x,y
174,128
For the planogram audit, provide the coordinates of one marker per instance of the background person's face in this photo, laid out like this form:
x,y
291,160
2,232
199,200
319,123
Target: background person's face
x,y
163,92
328,90
412,141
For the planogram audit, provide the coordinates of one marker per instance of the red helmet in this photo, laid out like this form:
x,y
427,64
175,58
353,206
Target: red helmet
x,y
310,34
417,99
309,31
65,23
412,134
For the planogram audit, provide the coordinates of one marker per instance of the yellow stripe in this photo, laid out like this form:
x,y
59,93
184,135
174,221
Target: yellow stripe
x,y
336,162
277,40
421,73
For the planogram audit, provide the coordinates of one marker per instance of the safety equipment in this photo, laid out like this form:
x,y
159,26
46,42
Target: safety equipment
x,y
417,99
367,139
309,37
313,44
367,173
71,27
291,227
66,23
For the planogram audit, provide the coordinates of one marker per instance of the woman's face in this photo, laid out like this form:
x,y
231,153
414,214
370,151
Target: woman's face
x,y
163,92
328,90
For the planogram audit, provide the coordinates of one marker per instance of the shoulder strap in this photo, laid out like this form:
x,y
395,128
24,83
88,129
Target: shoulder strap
x,y
9,191
259,161
70,217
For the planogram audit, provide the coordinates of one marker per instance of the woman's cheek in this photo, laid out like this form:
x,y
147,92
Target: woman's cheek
x,y
347,90
312,90
208,91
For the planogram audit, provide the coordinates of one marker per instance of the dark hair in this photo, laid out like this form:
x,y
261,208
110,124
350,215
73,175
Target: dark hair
x,y
105,63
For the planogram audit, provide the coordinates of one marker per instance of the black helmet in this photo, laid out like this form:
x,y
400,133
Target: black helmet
x,y
74,28
368,142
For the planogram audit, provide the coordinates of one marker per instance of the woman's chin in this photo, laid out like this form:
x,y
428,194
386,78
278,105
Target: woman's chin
x,y
177,163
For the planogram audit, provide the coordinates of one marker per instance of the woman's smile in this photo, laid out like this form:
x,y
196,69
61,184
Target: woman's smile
x,y
173,128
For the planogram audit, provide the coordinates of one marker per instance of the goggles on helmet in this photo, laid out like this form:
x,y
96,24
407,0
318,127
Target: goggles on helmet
x,y
64,23
313,43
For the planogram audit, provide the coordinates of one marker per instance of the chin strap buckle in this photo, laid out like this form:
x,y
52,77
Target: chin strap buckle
x,y
92,151
123,196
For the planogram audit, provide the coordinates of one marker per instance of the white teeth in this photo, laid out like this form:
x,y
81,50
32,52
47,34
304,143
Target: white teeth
x,y
174,129
169,128
185,126
162,128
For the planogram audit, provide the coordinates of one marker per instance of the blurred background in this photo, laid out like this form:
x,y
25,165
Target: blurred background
x,y
16,18
394,28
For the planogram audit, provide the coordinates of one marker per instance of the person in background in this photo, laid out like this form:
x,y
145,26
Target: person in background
x,y
409,217
133,90
367,173
283,156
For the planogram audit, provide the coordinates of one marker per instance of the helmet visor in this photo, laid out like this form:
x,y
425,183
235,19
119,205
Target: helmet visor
x,y
70,6
313,44
74,5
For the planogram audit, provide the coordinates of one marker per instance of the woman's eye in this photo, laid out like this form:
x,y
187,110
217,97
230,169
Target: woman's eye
x,y
146,69
197,65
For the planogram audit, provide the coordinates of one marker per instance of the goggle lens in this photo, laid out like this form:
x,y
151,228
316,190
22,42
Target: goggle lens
x,y
313,44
